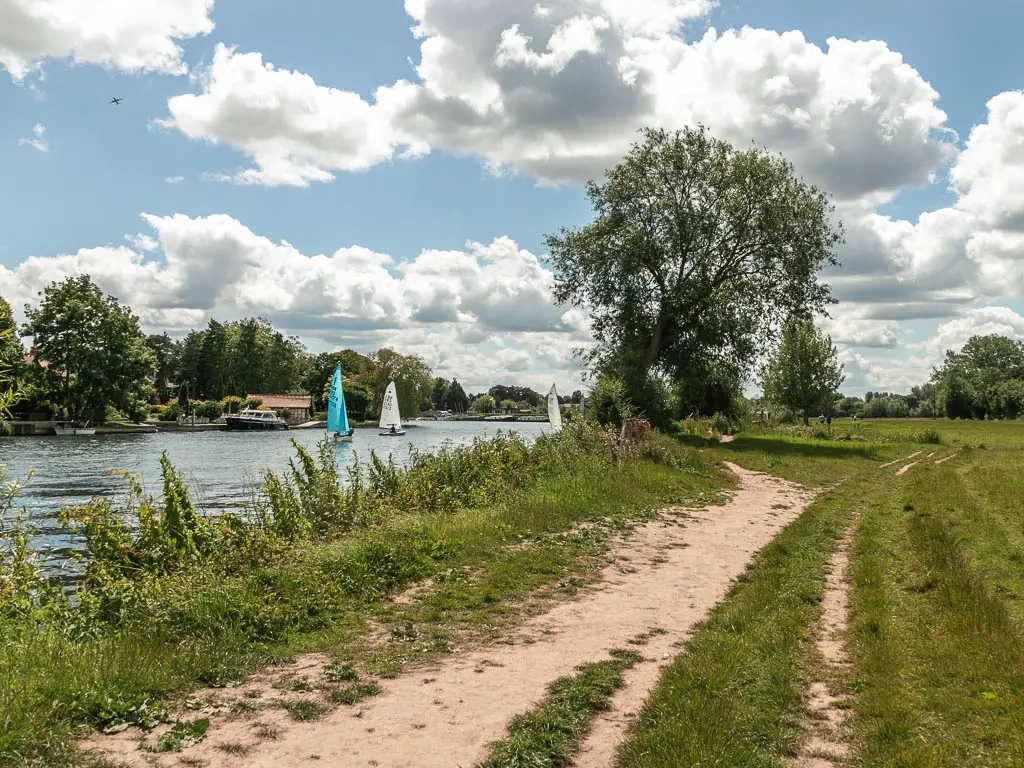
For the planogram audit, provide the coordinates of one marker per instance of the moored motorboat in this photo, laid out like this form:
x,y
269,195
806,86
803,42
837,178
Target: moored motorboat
x,y
73,428
255,421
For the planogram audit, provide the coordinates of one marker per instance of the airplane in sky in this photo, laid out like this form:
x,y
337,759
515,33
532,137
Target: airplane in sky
x,y
116,100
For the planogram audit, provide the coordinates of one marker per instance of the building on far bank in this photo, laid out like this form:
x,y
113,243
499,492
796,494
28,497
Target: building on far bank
x,y
294,409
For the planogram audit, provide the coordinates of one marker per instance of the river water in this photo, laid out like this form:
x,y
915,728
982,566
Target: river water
x,y
222,469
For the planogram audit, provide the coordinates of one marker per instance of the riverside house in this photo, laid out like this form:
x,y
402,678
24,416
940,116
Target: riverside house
x,y
292,408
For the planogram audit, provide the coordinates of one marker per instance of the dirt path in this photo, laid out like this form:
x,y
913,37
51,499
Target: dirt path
x,y
826,747
667,575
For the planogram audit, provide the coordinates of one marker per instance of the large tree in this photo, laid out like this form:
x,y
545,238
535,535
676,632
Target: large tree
x,y
10,349
805,373
166,352
95,352
697,253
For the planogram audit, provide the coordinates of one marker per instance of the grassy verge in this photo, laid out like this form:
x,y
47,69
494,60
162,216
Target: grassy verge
x,y
548,736
118,657
940,655
734,696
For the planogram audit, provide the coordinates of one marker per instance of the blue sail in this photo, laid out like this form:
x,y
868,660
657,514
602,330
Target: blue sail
x,y
336,406
343,421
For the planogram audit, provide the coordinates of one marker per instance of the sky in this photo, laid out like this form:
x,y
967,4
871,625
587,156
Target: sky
x,y
384,174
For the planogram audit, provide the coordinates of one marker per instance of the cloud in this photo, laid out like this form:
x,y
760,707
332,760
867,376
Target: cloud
x,y
190,269
174,179
294,130
38,140
127,35
558,92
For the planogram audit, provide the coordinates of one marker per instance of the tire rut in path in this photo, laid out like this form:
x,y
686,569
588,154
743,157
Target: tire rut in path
x,y
826,746
668,574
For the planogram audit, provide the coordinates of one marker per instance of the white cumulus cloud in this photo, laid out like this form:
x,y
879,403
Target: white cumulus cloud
x,y
128,35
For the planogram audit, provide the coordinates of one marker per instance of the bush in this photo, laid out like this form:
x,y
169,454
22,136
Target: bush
x,y
171,412
209,410
158,410
231,404
252,403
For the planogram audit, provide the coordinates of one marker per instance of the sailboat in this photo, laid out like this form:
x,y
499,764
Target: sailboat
x,y
554,410
390,418
337,416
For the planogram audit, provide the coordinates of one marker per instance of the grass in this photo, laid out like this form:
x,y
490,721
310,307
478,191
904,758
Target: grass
x,y
936,618
353,693
304,709
548,736
201,626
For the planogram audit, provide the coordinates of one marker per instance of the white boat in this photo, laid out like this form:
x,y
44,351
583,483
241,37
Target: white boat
x,y
554,410
338,428
76,428
252,420
445,416
390,417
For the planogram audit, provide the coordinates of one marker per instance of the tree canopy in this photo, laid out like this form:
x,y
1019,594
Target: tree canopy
x,y
97,356
413,380
697,254
984,379
805,373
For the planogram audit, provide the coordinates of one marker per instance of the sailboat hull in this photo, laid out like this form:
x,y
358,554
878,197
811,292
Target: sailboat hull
x,y
343,437
399,433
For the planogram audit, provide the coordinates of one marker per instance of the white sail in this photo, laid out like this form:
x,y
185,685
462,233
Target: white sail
x,y
554,410
389,415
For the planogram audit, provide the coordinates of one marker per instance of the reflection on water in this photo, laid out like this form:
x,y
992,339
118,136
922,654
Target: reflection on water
x,y
222,469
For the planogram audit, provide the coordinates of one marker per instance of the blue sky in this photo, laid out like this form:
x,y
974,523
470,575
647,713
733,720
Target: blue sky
x,y
435,253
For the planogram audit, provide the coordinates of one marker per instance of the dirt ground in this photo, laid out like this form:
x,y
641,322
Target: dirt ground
x,y
668,574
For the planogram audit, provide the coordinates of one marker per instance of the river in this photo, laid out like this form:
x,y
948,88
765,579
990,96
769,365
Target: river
x,y
221,468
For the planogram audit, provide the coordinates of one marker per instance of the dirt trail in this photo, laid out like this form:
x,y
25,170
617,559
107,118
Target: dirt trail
x,y
826,748
668,574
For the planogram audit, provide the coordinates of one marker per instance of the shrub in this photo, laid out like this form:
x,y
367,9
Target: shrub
x,y
209,410
231,404
252,403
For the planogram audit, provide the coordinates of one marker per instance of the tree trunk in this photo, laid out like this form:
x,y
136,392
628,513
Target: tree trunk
x,y
807,420
654,347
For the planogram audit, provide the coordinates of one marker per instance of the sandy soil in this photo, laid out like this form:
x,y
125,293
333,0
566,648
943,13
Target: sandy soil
x,y
826,747
667,575
903,470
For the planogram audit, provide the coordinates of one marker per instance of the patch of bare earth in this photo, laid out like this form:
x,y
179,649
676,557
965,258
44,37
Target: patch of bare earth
x,y
826,746
897,461
668,574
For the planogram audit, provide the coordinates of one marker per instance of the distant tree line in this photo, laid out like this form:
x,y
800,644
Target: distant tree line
x,y
89,359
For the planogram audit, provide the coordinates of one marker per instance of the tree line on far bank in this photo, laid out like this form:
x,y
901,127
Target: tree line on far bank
x,y
90,359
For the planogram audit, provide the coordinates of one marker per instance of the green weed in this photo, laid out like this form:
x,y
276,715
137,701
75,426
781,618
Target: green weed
x,y
551,733
183,735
